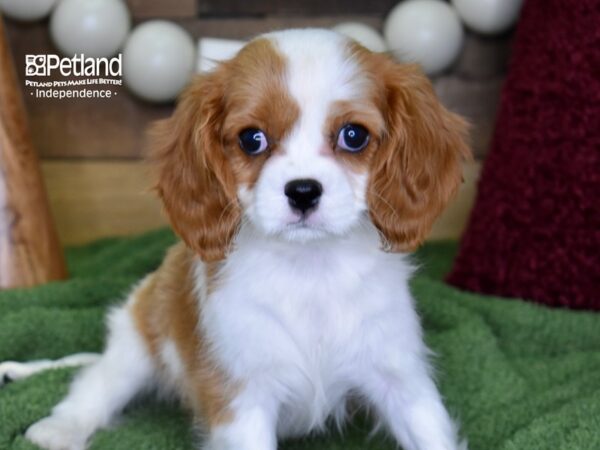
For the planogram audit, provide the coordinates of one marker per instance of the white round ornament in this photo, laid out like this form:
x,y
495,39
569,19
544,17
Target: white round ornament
x,y
96,28
365,35
26,10
488,16
159,58
427,32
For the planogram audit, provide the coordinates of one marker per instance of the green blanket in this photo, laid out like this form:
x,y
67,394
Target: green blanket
x,y
519,376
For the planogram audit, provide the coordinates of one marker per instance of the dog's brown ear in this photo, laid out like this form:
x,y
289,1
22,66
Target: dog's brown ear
x,y
195,181
418,166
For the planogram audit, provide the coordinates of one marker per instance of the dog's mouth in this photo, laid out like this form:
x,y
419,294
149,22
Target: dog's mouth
x,y
304,228
305,221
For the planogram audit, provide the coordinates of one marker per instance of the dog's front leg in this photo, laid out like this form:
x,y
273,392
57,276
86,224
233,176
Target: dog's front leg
x,y
249,423
408,401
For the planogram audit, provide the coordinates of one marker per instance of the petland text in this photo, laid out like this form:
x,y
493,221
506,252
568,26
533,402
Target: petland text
x,y
78,65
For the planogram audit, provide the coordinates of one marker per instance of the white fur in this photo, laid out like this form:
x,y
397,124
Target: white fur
x,y
302,317
172,361
99,391
14,371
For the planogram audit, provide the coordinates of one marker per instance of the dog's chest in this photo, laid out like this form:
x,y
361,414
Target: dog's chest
x,y
319,301
307,311
301,324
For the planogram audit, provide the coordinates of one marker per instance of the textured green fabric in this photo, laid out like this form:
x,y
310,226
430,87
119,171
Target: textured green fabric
x,y
518,375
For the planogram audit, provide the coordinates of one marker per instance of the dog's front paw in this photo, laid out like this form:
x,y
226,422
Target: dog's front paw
x,y
57,433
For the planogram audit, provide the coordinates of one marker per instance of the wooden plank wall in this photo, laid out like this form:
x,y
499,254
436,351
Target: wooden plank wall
x,y
91,148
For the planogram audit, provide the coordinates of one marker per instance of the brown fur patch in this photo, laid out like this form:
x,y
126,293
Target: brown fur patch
x,y
417,166
195,180
166,308
200,164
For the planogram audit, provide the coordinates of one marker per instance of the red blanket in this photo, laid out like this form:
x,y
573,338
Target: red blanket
x,y
535,230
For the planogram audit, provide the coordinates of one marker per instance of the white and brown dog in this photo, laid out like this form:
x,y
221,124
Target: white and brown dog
x,y
298,174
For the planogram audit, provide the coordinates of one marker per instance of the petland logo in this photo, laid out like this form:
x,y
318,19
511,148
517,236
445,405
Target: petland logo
x,y
73,78
78,65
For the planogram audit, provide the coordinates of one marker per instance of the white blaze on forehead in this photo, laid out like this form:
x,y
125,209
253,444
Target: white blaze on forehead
x,y
320,71
319,66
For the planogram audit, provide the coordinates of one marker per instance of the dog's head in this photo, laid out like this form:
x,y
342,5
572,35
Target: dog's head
x,y
305,134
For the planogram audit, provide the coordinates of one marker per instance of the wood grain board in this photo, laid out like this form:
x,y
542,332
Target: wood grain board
x,y
293,7
164,9
94,199
29,249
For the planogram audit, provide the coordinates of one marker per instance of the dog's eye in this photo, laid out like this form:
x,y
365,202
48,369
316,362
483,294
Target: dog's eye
x,y
353,138
253,141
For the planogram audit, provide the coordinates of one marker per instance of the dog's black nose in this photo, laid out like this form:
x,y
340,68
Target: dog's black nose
x,y
303,194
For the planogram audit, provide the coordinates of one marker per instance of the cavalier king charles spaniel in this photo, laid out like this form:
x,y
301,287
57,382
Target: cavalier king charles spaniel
x,y
298,174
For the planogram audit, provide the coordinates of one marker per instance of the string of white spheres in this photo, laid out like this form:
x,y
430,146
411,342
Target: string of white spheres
x,y
160,57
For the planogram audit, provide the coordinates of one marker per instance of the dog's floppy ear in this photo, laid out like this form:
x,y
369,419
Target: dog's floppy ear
x,y
195,181
418,166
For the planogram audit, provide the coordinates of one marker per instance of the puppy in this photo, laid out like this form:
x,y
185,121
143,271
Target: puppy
x,y
298,175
